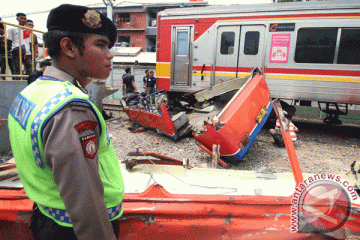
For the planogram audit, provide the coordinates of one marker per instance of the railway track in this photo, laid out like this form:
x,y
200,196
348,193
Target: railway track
x,y
113,107
340,131
351,130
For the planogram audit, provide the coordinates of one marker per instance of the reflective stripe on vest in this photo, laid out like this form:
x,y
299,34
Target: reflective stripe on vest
x,y
39,118
63,215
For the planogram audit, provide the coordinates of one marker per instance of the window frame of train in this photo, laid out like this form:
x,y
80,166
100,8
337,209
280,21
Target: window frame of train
x,y
251,43
238,48
328,45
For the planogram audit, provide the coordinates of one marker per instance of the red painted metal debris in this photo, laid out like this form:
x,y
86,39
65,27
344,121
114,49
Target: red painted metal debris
x,y
240,121
162,121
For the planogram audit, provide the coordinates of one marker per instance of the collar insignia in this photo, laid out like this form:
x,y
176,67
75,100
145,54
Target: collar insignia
x,y
92,19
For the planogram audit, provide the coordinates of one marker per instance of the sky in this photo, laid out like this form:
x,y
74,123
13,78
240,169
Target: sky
x,y
30,6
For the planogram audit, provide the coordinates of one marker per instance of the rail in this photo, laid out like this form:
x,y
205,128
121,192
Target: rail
x,y
6,59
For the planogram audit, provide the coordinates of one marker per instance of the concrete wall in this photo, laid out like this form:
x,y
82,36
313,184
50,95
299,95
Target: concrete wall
x,y
137,71
8,92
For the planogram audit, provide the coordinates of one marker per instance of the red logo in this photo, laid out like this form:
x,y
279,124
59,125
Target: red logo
x,y
89,145
273,27
325,206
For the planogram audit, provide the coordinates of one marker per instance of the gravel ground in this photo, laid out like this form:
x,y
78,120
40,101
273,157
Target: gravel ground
x,y
317,150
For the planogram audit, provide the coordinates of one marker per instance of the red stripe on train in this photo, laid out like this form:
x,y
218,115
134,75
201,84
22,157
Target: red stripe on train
x,y
324,72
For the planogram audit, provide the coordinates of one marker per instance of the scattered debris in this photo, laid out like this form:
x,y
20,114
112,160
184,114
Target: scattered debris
x,y
215,155
139,130
152,158
264,173
221,162
186,163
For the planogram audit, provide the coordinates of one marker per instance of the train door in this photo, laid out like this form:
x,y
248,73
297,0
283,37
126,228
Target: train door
x,y
238,50
251,52
181,54
227,49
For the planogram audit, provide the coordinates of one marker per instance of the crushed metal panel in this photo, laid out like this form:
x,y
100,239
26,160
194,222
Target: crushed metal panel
x,y
240,121
161,122
220,89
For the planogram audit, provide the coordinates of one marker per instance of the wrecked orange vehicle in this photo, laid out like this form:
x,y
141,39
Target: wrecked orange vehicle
x,y
177,201
233,122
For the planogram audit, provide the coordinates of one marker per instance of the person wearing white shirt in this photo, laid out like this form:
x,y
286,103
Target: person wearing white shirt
x,y
28,36
13,36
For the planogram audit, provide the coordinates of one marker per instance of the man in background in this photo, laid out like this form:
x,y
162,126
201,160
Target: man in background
x,y
30,40
13,36
2,52
145,78
39,71
128,83
150,85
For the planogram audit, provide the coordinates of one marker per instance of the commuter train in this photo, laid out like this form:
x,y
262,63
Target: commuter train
x,y
308,51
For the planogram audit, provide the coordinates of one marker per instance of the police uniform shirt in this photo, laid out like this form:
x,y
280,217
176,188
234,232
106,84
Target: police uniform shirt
x,y
151,81
145,80
76,175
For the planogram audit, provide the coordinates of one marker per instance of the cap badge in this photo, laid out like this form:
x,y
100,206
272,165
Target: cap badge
x,y
92,19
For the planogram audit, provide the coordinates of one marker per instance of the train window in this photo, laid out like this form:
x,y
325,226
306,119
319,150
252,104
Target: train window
x,y
251,46
227,43
182,43
316,45
349,49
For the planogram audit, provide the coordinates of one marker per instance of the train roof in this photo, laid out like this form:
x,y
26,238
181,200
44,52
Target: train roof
x,y
267,7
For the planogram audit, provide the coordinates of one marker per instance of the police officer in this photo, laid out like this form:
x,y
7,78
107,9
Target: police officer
x,y
150,85
64,156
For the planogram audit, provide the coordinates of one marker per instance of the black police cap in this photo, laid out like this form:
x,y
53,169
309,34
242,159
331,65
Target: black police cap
x,y
81,19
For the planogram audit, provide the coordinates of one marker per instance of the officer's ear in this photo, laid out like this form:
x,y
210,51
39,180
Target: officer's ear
x,y
68,47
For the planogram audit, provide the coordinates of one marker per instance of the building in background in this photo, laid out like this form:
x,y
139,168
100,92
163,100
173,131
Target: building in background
x,y
136,23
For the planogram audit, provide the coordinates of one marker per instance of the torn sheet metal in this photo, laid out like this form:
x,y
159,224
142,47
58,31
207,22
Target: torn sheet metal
x,y
156,115
240,121
172,202
161,121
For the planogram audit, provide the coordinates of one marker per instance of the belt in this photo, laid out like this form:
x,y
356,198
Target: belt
x,y
63,215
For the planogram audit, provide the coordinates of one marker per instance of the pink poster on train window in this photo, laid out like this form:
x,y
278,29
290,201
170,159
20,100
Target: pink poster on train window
x,y
279,52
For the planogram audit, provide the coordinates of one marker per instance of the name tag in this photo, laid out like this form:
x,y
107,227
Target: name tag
x,y
21,109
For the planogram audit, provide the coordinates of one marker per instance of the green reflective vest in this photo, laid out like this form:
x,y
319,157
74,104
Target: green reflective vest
x,y
31,109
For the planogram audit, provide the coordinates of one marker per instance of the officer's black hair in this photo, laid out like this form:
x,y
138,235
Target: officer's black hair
x,y
151,71
52,41
146,71
47,62
127,70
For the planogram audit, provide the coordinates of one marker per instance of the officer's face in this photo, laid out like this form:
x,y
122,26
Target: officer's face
x,y
95,62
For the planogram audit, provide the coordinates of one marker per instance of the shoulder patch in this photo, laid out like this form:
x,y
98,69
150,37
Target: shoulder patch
x,y
89,145
85,125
